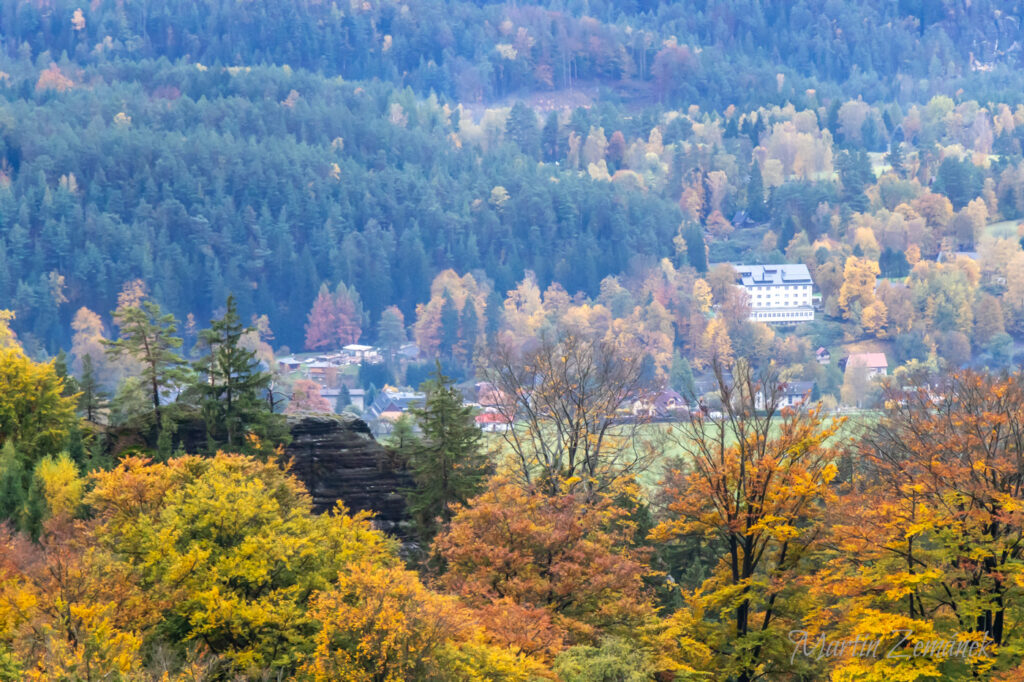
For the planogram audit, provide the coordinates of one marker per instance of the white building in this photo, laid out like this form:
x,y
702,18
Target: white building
x,y
778,293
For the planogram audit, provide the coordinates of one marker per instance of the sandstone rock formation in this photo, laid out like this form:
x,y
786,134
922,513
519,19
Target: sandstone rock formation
x,y
336,457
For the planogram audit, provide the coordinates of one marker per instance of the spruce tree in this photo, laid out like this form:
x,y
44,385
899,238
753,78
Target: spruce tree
x,y
470,323
449,326
447,462
756,208
344,399
232,385
93,400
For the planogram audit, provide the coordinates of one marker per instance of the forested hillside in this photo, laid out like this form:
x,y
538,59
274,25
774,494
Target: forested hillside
x,y
243,144
266,182
711,53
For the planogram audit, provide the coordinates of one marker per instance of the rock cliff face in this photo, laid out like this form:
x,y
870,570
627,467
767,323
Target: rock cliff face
x,y
336,457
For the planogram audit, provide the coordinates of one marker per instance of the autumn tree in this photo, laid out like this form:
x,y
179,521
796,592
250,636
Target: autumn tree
x,y
381,624
928,537
306,398
335,319
229,550
858,289
35,415
545,570
563,392
753,483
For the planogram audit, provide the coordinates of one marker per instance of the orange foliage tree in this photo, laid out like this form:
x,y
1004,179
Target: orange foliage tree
x,y
929,536
335,319
544,570
306,398
754,484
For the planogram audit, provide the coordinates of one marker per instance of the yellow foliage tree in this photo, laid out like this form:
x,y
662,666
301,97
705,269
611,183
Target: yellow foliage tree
x,y
874,319
702,295
380,624
859,278
230,546
33,413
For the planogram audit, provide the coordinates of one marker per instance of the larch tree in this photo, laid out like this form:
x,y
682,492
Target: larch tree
x,y
322,322
306,398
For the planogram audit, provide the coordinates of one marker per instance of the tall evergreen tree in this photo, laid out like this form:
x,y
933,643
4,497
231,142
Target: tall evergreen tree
x,y
148,338
344,399
521,128
232,384
895,157
757,209
549,138
470,323
93,400
446,460
449,326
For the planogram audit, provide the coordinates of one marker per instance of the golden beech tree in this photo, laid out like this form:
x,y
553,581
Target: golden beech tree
x,y
69,610
229,545
33,412
755,484
929,536
380,624
545,571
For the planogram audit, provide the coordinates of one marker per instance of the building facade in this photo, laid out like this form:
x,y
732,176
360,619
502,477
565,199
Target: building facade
x,y
779,294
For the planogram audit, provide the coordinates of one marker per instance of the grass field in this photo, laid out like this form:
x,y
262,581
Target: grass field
x,y
1006,229
664,438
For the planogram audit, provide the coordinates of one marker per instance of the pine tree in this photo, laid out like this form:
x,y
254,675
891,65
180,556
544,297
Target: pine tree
x,y
147,337
232,384
447,462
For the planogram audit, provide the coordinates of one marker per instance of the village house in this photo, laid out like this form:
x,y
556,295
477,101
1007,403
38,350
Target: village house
x,y
875,364
779,294
493,422
665,404
823,356
790,394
